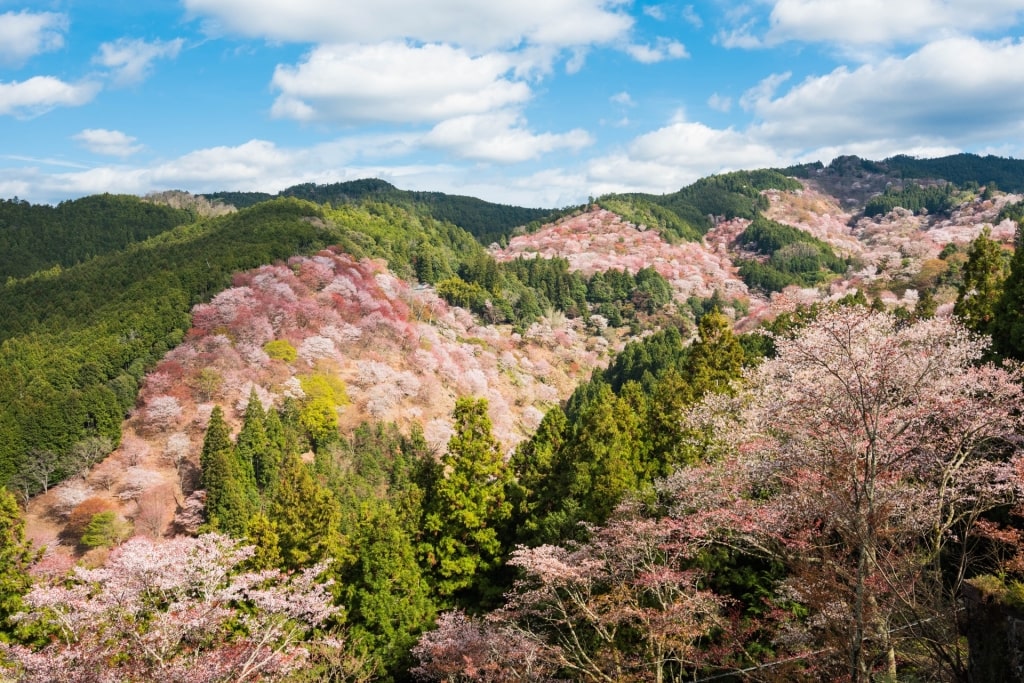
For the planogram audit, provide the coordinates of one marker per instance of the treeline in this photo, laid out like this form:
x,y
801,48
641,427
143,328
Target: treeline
x,y
959,169
686,214
75,345
793,257
35,237
486,221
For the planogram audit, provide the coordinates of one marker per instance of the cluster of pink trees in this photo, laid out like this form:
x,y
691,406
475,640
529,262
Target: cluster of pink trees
x,y
177,610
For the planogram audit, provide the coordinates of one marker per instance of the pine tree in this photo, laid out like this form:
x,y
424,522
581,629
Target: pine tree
x,y
983,277
1008,323
16,556
227,507
716,358
304,514
467,506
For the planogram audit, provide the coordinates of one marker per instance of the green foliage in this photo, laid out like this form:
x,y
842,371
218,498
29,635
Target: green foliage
x,y
485,221
619,431
281,349
684,214
1008,321
912,197
466,507
982,285
962,168
105,529
304,514
229,504
387,598
643,210
458,292
16,556
35,238
794,256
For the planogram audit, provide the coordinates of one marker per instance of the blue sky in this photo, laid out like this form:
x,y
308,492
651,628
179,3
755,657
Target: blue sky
x,y
529,102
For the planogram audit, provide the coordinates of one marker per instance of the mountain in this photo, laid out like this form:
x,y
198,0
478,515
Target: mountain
x,y
486,221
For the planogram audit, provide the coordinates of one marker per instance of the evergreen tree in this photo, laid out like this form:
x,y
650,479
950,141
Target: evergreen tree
x,y
266,463
251,445
1008,323
387,598
983,277
16,556
467,505
533,465
926,305
304,515
227,507
716,358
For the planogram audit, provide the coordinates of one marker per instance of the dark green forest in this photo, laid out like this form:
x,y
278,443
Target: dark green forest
x,y
36,237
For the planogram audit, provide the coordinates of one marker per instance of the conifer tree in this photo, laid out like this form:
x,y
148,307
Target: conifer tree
x,y
716,358
386,595
227,507
252,445
983,277
304,514
1008,322
267,463
467,505
16,557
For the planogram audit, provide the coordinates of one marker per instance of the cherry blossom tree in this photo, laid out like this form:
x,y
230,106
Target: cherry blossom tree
x,y
860,457
172,611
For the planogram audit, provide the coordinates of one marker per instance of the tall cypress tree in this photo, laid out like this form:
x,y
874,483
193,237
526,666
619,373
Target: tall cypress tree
x,y
228,509
304,515
467,505
252,445
386,595
983,277
716,358
1008,322
16,557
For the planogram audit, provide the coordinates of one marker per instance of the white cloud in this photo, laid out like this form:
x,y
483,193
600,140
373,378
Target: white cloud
x,y
500,137
394,82
720,103
131,60
676,155
496,24
623,98
40,94
25,34
874,22
691,17
953,92
656,12
664,48
108,142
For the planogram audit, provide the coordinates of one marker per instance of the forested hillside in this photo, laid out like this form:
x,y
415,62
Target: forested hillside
x,y
338,435
486,221
39,237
